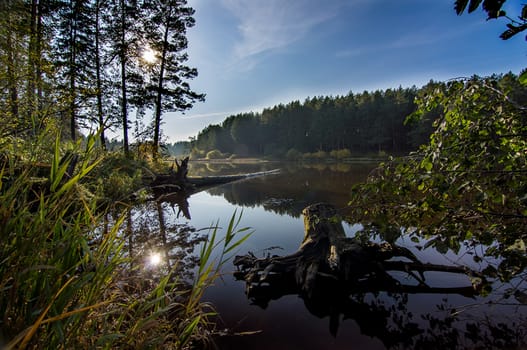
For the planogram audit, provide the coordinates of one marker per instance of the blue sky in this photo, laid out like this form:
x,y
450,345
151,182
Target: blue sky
x,y
252,54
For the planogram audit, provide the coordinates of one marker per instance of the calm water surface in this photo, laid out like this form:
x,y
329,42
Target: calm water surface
x,y
271,206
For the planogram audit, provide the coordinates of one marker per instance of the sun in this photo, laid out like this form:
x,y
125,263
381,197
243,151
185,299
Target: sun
x,y
149,56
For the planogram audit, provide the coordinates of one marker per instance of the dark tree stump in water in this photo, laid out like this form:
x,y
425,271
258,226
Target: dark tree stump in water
x,y
181,169
327,255
332,273
175,181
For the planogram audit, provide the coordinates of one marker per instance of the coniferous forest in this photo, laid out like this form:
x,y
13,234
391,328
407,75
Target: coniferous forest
x,y
94,65
363,123
367,123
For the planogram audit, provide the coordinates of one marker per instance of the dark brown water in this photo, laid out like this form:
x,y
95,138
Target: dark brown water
x,y
372,319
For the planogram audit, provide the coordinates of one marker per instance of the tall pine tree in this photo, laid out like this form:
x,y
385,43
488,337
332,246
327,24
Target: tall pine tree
x,y
168,88
24,70
125,33
75,59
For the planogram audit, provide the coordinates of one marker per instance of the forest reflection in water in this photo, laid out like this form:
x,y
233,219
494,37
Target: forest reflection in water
x,y
158,242
291,190
376,317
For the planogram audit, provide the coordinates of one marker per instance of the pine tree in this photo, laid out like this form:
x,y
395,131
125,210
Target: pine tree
x,y
11,45
99,71
104,105
75,58
169,90
24,52
124,34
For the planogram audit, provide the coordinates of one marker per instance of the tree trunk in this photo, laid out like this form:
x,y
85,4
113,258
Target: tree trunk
x,y
31,59
98,77
38,58
73,70
159,97
11,76
124,102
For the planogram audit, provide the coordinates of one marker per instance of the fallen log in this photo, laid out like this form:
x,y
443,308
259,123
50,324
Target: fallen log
x,y
220,180
177,180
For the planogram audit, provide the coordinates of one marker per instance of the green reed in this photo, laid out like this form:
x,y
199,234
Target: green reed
x,y
65,282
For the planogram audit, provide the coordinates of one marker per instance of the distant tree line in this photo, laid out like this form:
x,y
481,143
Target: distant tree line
x,y
92,63
363,123
369,122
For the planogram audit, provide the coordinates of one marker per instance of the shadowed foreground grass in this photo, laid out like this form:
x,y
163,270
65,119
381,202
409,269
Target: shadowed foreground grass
x,y
66,281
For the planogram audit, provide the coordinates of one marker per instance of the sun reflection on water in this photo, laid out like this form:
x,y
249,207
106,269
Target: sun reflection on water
x,y
154,259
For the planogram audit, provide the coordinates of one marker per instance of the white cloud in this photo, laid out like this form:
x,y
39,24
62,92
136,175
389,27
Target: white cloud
x,y
266,25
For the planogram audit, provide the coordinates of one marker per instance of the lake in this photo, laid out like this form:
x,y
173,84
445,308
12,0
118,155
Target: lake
x,y
367,319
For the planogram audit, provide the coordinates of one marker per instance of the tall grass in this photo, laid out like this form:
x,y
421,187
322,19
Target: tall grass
x,y
67,282
46,287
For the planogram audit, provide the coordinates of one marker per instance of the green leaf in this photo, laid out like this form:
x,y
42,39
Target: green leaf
x,y
426,164
108,339
231,228
523,77
519,245
512,31
206,250
237,243
493,8
189,330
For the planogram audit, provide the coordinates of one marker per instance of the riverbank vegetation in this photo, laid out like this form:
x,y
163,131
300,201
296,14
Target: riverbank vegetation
x,y
71,276
465,190
467,187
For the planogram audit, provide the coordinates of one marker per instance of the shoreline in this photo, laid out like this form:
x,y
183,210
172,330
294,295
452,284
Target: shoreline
x,y
262,161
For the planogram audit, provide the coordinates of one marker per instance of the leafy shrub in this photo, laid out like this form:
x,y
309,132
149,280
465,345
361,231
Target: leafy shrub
x,y
197,153
273,150
214,154
467,186
116,177
340,153
319,155
293,154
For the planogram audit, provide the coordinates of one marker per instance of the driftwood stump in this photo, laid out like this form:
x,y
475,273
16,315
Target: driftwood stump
x,y
175,181
181,169
326,255
332,272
